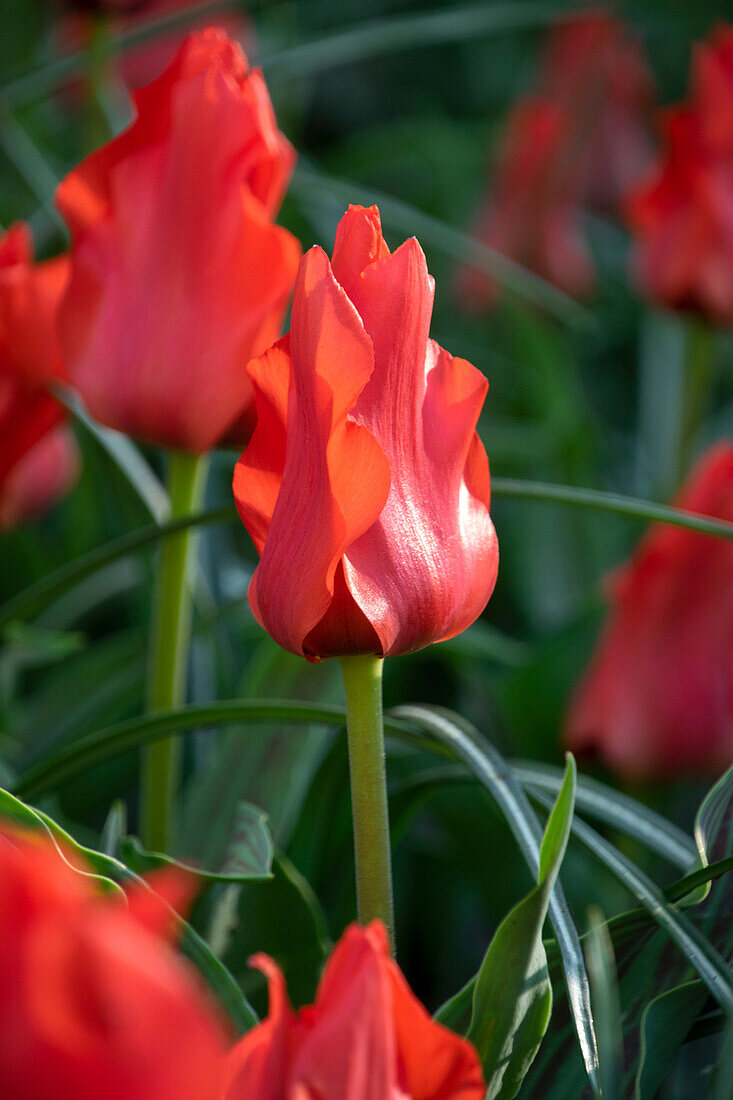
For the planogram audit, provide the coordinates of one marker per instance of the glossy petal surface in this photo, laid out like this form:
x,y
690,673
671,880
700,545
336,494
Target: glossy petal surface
x,y
365,487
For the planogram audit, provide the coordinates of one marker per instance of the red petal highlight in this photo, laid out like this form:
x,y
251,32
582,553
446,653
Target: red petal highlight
x,y
335,478
359,243
426,568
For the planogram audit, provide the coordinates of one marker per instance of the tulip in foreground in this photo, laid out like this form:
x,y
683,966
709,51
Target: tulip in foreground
x,y
657,699
95,1002
39,459
366,489
366,1037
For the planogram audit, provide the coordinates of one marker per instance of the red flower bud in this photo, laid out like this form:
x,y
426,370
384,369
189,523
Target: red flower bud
x,y
657,699
178,274
365,487
367,1037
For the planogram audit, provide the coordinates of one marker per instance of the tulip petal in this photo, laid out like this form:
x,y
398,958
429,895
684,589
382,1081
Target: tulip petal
x,y
258,1064
426,568
359,243
259,472
336,478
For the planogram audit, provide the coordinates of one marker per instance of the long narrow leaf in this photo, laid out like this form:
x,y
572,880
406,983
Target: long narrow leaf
x,y
700,953
494,773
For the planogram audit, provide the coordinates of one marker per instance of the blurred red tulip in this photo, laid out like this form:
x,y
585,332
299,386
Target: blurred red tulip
x,y
365,487
657,698
94,1004
178,273
533,216
596,69
39,459
367,1037
579,143
682,215
712,90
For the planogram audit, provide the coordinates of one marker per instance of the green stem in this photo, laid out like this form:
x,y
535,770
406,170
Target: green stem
x,y
698,377
168,653
363,689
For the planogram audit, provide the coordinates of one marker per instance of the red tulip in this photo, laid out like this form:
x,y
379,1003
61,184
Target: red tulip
x,y
682,219
595,68
39,459
682,215
657,698
533,216
95,1003
712,90
365,487
367,1037
178,274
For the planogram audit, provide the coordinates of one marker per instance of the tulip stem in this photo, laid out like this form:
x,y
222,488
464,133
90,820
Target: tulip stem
x,y
698,379
363,689
170,635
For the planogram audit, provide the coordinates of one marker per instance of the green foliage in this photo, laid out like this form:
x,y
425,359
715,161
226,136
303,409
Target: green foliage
x,y
512,996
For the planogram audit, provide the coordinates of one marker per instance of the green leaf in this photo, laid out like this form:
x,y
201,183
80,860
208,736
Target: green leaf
x,y
109,873
665,1022
648,963
49,587
12,809
597,499
249,857
460,740
512,998
605,1001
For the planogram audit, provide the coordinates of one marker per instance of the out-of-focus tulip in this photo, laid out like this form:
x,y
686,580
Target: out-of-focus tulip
x,y
94,1002
367,1037
39,459
579,143
146,60
365,487
682,220
178,273
533,216
595,68
712,90
682,214
657,698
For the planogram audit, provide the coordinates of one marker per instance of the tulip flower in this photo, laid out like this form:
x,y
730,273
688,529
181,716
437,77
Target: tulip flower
x,y
595,68
178,277
39,458
578,143
367,1037
178,274
533,215
681,214
657,698
95,1002
365,487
